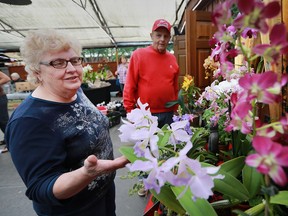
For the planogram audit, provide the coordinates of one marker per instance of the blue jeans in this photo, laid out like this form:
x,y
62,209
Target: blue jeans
x,y
164,118
4,115
122,87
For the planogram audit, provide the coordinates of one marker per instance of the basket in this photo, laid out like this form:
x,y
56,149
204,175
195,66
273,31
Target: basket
x,y
114,118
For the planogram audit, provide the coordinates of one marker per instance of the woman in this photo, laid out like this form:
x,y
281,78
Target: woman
x,y
122,72
59,142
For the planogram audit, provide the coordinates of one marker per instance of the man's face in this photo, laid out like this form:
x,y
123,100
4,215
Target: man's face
x,y
160,39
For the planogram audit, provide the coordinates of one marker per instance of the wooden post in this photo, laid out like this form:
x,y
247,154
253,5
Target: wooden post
x,y
284,12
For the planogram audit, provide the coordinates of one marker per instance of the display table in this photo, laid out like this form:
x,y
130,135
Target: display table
x,y
98,95
15,99
114,86
18,95
95,95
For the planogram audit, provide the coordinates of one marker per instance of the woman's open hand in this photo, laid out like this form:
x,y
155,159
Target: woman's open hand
x,y
94,167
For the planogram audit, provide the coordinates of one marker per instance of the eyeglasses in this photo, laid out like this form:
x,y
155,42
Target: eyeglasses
x,y
62,63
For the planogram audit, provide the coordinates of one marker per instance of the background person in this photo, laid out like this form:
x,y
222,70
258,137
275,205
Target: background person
x,y
153,75
59,142
15,77
121,72
4,115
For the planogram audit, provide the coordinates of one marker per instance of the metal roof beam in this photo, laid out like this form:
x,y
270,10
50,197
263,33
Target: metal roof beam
x,y
8,28
103,25
102,20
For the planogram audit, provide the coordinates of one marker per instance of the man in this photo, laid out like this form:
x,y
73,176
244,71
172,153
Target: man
x,y
153,75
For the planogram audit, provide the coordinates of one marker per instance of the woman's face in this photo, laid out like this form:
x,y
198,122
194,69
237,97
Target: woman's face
x,y
123,60
160,39
60,81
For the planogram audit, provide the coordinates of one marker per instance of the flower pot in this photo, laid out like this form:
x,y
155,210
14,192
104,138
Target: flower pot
x,y
213,139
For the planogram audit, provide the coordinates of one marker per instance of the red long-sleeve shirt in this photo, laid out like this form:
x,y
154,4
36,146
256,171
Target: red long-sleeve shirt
x,y
153,77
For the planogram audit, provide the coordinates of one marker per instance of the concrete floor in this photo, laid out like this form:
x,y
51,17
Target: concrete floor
x,y
13,201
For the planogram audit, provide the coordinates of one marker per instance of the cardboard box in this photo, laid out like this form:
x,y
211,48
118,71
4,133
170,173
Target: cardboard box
x,y
24,86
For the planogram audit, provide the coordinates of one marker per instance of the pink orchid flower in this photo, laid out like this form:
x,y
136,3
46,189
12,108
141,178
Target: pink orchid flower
x,y
278,44
222,13
254,14
241,118
249,33
284,121
270,158
263,87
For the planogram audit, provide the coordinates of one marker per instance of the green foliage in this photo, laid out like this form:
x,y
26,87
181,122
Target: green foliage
x,y
251,180
168,198
280,198
234,166
187,96
197,207
109,53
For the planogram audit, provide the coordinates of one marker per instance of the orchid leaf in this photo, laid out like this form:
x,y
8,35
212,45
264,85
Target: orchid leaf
x,y
280,198
251,180
179,101
200,207
199,135
230,186
171,103
168,199
255,210
163,140
181,98
128,152
233,166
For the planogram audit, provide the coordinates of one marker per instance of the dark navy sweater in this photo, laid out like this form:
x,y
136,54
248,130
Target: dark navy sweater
x,y
46,139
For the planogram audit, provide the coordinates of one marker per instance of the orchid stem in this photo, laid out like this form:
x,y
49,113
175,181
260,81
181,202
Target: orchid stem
x,y
268,209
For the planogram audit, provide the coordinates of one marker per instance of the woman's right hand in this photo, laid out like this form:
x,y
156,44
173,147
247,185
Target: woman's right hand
x,y
94,167
71,183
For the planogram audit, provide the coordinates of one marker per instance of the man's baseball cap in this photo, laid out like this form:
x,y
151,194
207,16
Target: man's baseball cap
x,y
161,23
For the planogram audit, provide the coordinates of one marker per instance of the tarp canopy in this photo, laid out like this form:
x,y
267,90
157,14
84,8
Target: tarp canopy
x,y
96,23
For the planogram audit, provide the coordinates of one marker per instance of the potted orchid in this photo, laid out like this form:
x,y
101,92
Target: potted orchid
x,y
168,157
95,79
187,97
177,174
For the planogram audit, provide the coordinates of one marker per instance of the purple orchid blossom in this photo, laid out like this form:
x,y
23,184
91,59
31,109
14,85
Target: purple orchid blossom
x,y
189,118
141,128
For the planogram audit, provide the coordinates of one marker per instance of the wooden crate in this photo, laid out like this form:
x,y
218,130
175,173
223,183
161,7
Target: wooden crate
x,y
24,86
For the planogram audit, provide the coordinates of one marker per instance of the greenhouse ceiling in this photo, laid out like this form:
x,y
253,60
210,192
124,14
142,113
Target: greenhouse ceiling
x,y
96,23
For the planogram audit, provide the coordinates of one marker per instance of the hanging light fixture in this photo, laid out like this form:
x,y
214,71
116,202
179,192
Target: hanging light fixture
x,y
16,2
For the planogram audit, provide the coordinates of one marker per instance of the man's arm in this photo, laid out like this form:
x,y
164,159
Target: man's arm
x,y
176,85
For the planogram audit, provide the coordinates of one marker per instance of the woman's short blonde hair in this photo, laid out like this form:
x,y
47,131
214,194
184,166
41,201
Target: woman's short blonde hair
x,y
40,42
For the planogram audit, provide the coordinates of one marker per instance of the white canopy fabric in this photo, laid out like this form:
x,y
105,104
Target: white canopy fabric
x,y
96,23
